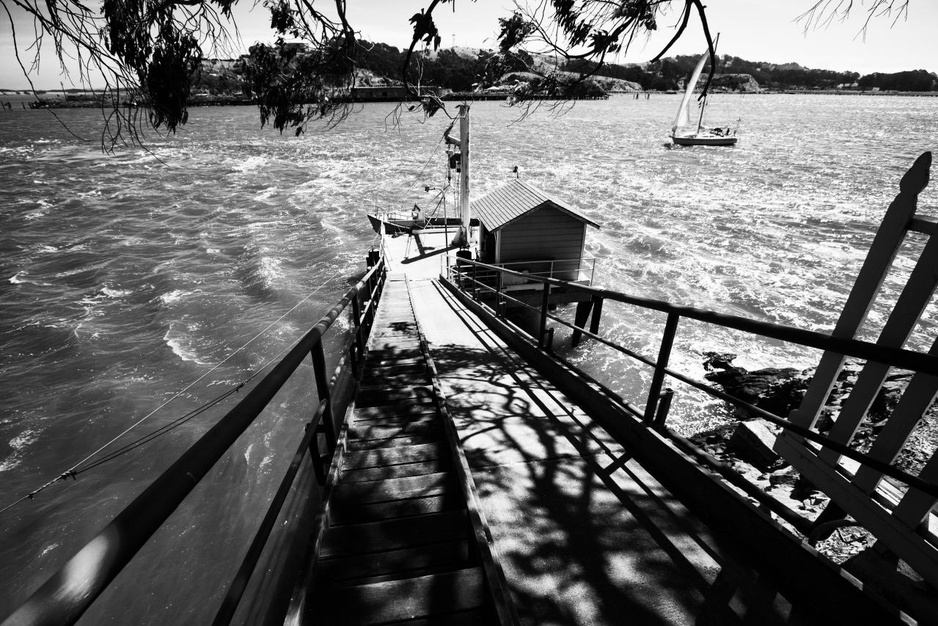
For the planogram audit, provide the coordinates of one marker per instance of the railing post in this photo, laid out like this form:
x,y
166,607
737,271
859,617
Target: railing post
x,y
357,350
664,405
667,341
318,467
322,386
597,312
579,320
544,303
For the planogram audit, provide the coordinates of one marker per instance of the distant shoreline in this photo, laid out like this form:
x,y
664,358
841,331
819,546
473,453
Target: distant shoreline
x,y
55,99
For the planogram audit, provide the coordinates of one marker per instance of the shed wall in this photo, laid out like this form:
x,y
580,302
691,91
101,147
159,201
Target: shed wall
x,y
544,234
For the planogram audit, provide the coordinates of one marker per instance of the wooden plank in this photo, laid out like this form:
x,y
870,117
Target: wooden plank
x,y
877,263
400,562
429,436
347,512
395,471
394,533
398,411
392,456
408,599
918,397
909,307
396,488
370,435
893,532
474,617
380,375
387,360
385,352
394,341
915,506
386,397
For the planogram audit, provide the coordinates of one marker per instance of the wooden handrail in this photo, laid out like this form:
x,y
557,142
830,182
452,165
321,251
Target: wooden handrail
x,y
896,357
852,347
73,588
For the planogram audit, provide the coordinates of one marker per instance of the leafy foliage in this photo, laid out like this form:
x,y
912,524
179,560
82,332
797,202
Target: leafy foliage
x,y
916,80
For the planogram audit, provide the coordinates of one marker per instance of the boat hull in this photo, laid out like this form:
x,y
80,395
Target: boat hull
x,y
704,140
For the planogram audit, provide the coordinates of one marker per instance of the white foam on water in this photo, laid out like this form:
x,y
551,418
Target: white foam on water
x,y
115,293
270,271
181,345
251,164
18,444
174,296
48,548
265,462
266,194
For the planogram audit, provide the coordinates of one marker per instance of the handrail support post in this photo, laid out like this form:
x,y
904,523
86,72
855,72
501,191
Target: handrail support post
x,y
664,354
545,301
318,356
664,406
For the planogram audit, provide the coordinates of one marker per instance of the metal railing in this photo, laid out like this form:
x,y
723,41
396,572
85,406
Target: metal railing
x,y
580,271
464,274
501,279
72,590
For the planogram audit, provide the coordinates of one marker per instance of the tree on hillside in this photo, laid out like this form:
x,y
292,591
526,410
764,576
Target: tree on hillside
x,y
150,50
916,80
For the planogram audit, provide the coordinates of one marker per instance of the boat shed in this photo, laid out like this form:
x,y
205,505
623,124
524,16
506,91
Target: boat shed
x,y
526,229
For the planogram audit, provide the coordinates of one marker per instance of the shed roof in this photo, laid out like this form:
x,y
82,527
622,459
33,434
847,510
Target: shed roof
x,y
504,205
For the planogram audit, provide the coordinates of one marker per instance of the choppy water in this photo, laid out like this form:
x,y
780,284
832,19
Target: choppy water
x,y
125,278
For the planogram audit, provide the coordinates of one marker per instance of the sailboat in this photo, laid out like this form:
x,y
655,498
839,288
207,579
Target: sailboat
x,y
683,133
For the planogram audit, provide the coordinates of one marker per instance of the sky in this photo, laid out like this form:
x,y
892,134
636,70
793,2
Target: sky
x,y
755,30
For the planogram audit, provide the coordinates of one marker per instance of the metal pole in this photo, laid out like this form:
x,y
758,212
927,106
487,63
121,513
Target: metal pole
x,y
464,173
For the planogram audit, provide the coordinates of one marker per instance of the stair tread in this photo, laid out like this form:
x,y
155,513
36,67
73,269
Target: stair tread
x,y
395,488
350,512
394,533
431,595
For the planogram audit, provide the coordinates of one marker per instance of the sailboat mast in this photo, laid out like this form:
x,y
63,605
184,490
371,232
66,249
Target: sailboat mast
x,y
464,173
703,103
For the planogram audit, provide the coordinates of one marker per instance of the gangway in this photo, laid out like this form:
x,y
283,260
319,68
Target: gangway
x,y
402,537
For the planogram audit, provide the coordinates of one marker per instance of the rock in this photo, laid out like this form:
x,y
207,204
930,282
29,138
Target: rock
x,y
803,489
736,82
786,476
753,441
777,390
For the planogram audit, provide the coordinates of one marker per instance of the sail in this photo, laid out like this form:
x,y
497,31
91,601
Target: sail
x,y
682,120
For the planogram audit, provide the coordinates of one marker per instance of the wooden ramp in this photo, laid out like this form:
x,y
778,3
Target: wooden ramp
x,y
403,538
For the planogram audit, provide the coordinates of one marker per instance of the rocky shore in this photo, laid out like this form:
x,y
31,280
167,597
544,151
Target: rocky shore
x,y
746,445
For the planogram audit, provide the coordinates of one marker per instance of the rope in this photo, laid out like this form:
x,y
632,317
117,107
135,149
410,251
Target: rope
x,y
432,156
76,469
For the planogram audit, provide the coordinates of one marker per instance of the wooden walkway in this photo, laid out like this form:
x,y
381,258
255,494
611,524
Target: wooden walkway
x,y
402,539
